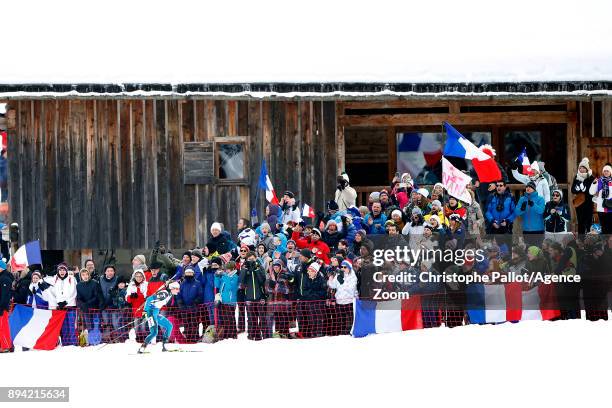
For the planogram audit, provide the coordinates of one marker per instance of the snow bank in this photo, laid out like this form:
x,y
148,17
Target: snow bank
x,y
510,365
319,41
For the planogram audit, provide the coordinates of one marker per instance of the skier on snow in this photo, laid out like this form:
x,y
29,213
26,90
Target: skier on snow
x,y
152,306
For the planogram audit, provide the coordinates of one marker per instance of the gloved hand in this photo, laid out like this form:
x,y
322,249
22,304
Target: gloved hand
x,y
530,203
134,295
340,278
515,165
524,206
61,305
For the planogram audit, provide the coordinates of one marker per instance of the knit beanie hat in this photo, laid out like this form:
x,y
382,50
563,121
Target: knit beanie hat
x,y
534,251
423,192
585,163
216,226
606,167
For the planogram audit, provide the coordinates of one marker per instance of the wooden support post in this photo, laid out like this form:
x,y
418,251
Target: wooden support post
x,y
340,144
572,159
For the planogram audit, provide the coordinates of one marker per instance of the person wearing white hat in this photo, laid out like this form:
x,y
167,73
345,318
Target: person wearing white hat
x,y
583,199
346,196
542,187
601,189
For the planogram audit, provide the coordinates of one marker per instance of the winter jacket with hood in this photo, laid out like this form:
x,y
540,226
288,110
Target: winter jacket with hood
x,y
89,295
347,290
542,187
559,220
63,290
253,280
227,285
190,293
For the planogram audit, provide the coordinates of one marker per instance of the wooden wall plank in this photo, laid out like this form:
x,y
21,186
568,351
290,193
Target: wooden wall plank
x,y
162,185
175,190
329,135
125,176
137,168
318,157
255,151
188,197
114,165
50,171
149,141
89,147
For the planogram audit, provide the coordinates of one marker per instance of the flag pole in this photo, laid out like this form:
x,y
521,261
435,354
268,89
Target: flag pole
x,y
254,218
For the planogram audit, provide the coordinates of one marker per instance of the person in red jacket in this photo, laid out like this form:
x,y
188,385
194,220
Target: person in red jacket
x,y
135,295
314,243
155,278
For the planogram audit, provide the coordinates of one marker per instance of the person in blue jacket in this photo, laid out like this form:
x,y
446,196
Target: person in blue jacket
x,y
151,309
189,300
186,262
226,283
531,207
500,210
208,290
375,220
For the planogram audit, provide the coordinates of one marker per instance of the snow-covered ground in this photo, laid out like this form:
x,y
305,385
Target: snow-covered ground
x,y
529,364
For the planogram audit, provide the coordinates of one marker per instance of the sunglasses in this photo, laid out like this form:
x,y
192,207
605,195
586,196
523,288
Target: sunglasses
x,y
243,250
556,195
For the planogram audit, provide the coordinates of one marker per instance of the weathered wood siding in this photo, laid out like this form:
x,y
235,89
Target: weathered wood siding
x,y
108,173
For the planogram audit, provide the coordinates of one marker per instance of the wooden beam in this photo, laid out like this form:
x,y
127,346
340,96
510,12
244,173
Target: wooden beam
x,y
436,119
340,141
394,104
392,152
572,158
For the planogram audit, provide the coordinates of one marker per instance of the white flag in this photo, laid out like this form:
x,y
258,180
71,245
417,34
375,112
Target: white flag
x,y
455,182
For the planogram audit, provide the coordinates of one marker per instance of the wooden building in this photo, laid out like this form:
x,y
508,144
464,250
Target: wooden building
x,y
108,166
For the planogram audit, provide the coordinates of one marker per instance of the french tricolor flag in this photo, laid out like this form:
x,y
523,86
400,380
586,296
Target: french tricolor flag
x,y
308,211
509,303
372,317
26,255
35,328
458,146
524,160
266,184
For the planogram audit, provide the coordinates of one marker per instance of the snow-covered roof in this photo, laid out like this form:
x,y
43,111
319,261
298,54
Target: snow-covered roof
x,y
320,41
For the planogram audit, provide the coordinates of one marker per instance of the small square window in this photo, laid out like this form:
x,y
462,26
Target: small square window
x,y
231,162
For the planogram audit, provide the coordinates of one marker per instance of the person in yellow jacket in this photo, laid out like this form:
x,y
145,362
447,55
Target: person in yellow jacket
x,y
436,209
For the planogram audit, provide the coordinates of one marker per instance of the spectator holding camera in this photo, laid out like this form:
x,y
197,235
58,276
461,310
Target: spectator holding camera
x,y
556,216
346,196
499,212
345,284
